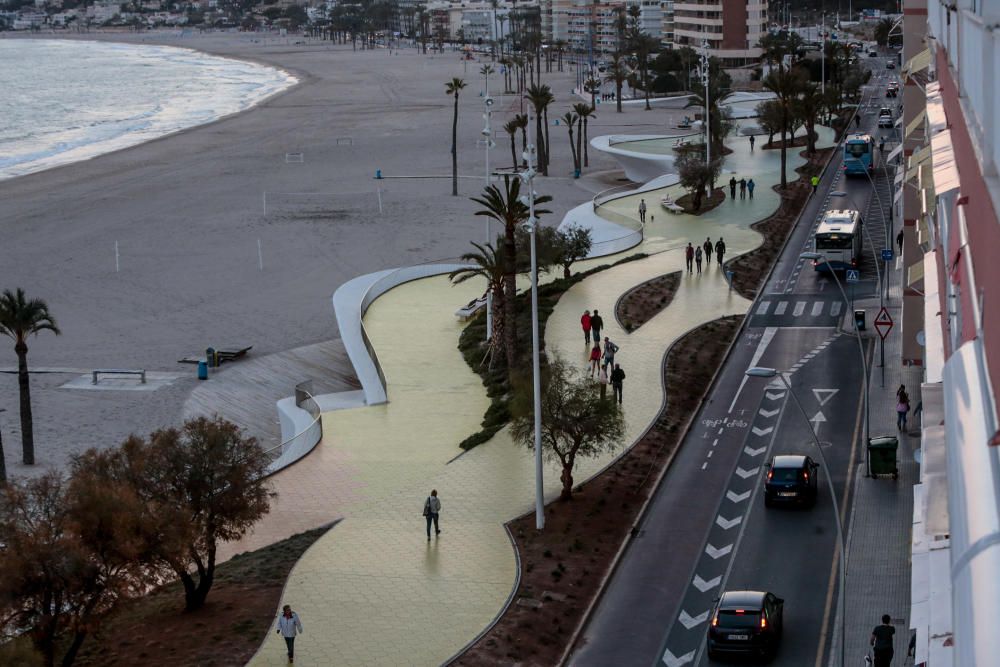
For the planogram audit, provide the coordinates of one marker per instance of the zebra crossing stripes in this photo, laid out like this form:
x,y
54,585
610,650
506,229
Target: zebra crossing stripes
x,y
790,312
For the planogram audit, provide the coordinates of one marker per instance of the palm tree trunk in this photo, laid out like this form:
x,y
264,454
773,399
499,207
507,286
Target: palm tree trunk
x,y
645,85
572,150
580,143
784,148
513,149
510,289
540,141
454,151
27,430
548,143
524,141
618,94
586,157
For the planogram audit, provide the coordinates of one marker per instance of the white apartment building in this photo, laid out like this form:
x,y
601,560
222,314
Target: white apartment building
x,y
732,28
650,16
586,26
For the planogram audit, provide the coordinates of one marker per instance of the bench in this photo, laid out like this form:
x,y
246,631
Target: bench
x,y
471,308
118,371
231,354
669,204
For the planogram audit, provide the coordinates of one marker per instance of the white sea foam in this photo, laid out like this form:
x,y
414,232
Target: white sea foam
x,y
65,101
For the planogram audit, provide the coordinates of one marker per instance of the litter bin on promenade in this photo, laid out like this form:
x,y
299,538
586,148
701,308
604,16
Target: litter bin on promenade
x,y
202,370
882,456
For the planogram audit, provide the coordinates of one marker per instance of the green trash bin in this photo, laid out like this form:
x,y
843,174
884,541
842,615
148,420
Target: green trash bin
x,y
882,456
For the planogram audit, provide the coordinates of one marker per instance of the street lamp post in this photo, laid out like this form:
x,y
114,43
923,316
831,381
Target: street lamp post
x,y
708,116
758,371
488,136
815,256
528,177
3,462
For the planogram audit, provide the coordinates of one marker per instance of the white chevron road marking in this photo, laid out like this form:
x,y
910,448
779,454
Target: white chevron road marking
x,y
689,621
768,413
670,660
762,431
716,554
703,585
744,474
754,452
726,524
737,497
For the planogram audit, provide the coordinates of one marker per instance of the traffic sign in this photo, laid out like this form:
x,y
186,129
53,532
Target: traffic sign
x,y
883,323
887,254
853,275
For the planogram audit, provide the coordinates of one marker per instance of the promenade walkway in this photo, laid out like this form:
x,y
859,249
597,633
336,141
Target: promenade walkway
x,y
374,591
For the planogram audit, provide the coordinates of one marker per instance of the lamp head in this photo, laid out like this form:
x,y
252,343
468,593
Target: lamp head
x,y
811,255
838,193
761,372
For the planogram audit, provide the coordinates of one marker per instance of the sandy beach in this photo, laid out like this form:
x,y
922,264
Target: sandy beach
x,y
187,211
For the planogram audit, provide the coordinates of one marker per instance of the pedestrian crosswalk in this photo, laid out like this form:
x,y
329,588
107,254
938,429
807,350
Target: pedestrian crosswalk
x,y
790,311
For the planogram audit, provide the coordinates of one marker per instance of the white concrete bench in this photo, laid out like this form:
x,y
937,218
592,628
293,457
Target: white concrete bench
x,y
669,204
118,371
471,308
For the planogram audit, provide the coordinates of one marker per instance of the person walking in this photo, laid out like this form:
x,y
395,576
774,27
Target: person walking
x,y
642,210
881,147
899,241
689,257
902,408
596,324
617,378
743,188
732,187
432,509
882,642
751,143
720,250
602,379
288,626
585,324
595,358
697,258
609,353
750,186
707,245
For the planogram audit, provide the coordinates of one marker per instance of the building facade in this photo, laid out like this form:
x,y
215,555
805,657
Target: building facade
x,y
948,196
731,28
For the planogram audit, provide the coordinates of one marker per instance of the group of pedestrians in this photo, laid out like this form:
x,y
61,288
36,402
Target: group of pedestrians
x,y
694,256
602,360
745,186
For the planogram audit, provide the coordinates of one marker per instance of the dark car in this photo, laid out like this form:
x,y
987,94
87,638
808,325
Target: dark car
x,y
890,65
791,478
746,623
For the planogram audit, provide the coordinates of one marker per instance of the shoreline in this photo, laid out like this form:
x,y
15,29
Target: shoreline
x,y
298,79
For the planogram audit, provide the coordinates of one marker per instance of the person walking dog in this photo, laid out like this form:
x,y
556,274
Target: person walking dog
x,y
432,509
642,210
288,626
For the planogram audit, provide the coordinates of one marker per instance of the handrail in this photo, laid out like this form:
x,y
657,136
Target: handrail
x,y
305,400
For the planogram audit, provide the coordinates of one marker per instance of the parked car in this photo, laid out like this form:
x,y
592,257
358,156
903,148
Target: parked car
x,y
746,623
791,479
890,65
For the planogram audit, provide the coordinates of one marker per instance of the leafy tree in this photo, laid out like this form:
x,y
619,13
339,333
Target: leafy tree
x,y
505,206
570,119
68,556
545,240
644,46
570,245
769,118
487,262
198,486
807,109
719,82
787,85
583,111
695,175
576,423
454,87
20,318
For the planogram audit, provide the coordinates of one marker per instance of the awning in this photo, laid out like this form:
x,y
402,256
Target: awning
x,y
918,62
916,161
894,153
899,191
898,121
945,173
936,117
915,273
915,123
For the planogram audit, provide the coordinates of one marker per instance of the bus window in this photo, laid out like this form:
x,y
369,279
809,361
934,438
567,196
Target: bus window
x,y
834,242
858,149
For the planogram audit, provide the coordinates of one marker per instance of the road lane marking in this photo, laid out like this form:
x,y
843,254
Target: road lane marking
x,y
703,585
762,431
800,307
765,340
726,524
818,308
672,661
704,465
737,497
767,414
746,474
824,395
835,309
780,308
716,554
715,442
774,395
689,621
754,452
763,307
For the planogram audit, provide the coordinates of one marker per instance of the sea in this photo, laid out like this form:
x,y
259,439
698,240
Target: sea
x,y
64,101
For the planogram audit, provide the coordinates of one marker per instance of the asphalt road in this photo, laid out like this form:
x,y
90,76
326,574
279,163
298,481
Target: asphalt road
x,y
706,529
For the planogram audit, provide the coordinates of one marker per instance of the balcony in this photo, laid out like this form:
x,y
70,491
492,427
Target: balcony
x,y
697,7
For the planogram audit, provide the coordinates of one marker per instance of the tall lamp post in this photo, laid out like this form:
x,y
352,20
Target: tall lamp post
x,y
708,114
528,178
3,462
488,137
815,256
761,372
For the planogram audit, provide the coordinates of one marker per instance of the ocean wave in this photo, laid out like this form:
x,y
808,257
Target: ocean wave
x,y
71,101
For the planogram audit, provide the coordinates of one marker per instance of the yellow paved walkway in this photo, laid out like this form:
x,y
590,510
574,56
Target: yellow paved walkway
x,y
373,591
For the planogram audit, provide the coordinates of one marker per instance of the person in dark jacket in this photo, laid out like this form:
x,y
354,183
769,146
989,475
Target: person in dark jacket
x,y
743,188
596,324
882,642
720,250
732,188
617,378
708,250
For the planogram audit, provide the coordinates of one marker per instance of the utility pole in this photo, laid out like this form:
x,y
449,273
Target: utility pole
x,y
708,114
822,57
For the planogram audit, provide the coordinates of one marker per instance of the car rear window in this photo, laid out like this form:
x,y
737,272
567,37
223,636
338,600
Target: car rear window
x,y
785,474
735,619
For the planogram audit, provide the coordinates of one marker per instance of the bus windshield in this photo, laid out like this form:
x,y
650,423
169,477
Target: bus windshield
x,y
834,241
857,149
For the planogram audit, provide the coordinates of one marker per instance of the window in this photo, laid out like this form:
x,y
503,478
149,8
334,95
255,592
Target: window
x,y
732,619
784,474
858,149
834,242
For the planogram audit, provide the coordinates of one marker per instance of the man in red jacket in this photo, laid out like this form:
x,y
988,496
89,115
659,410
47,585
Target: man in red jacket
x,y
585,323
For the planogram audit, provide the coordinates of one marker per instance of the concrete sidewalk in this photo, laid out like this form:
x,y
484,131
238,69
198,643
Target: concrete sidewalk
x,y
880,522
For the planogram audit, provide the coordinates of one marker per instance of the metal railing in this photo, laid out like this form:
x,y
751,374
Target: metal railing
x,y
312,433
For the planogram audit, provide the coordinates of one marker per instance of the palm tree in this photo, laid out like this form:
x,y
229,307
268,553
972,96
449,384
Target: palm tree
x,y
505,206
592,86
644,46
522,123
20,318
541,97
786,85
511,127
618,72
571,119
453,87
583,111
487,262
808,108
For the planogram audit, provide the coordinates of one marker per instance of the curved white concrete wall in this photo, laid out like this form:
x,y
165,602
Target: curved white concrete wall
x,y
639,166
300,433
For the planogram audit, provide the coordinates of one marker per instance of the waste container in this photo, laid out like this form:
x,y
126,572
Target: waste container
x,y
210,358
882,456
859,320
202,370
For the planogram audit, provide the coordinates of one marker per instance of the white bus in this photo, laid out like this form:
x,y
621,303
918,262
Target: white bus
x,y
838,239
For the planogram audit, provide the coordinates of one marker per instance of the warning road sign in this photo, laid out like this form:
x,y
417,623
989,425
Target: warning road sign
x,y
883,323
